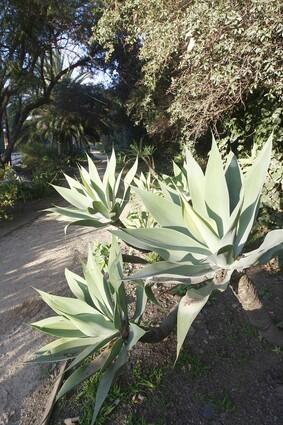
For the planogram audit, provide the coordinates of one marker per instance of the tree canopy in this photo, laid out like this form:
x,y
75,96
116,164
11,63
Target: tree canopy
x,y
31,33
199,60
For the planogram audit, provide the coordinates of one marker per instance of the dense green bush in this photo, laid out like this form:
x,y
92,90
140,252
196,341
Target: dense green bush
x,y
42,167
199,59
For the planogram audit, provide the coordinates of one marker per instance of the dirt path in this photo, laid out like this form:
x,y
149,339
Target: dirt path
x,y
34,255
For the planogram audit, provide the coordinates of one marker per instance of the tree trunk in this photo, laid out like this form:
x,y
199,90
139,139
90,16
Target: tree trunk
x,y
246,293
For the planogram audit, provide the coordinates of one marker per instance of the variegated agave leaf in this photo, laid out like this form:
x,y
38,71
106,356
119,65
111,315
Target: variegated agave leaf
x,y
211,228
201,237
95,322
95,201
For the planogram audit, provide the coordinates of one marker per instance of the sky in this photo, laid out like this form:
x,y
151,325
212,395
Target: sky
x,y
71,54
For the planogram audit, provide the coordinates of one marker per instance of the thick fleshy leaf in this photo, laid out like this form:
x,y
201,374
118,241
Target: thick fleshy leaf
x,y
131,174
135,334
141,300
100,343
85,178
114,352
92,324
93,173
170,244
81,374
272,244
73,183
115,264
189,307
70,214
196,183
62,349
97,224
172,270
58,326
77,285
233,177
109,175
216,190
163,211
98,287
170,194
117,183
66,305
253,182
74,198
200,228
99,207
106,381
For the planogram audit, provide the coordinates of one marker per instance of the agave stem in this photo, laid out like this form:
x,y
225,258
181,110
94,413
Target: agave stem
x,y
134,259
158,333
245,291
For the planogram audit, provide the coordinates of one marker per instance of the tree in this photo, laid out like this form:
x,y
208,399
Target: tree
x,y
76,115
199,59
32,32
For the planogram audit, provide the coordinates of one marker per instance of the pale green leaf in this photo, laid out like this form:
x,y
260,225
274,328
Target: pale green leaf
x,y
131,174
106,381
62,349
141,300
272,244
94,325
216,190
75,198
135,334
93,173
253,182
196,183
58,326
189,307
77,285
163,211
233,177
172,270
81,374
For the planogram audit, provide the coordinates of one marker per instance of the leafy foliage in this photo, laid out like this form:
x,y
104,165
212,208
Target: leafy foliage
x,y
198,59
32,32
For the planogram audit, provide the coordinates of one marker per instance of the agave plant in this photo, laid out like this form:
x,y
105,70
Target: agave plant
x,y
140,217
95,324
201,240
96,202
201,226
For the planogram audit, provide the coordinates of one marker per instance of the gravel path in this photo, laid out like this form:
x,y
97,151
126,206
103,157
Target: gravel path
x,y
33,256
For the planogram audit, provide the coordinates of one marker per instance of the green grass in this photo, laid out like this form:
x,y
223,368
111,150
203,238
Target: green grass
x,y
195,366
142,383
223,402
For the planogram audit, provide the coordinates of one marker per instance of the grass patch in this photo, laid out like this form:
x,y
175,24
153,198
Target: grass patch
x,y
196,367
142,383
